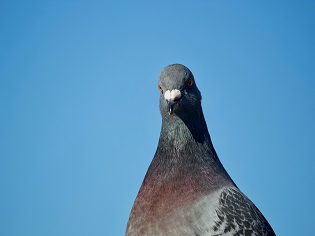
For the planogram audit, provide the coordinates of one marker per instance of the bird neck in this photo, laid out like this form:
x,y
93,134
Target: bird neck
x,y
185,143
184,132
185,154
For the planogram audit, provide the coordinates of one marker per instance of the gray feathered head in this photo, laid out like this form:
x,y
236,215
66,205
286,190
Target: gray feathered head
x,y
179,93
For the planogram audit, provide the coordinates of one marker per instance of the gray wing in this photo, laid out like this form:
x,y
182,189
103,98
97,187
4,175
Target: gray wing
x,y
237,215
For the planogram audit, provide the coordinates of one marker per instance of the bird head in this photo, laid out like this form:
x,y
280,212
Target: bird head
x,y
179,93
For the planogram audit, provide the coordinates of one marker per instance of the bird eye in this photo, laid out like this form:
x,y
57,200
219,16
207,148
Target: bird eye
x,y
190,83
160,88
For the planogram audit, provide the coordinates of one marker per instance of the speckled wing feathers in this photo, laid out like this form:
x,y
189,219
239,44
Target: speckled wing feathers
x,y
239,216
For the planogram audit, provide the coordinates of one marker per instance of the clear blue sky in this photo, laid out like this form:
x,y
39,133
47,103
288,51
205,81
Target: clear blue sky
x,y
79,106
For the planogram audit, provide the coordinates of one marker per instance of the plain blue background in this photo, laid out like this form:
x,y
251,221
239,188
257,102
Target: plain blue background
x,y
79,106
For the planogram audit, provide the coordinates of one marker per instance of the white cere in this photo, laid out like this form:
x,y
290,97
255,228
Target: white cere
x,y
172,95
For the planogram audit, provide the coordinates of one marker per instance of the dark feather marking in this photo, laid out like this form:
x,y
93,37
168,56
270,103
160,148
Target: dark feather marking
x,y
236,209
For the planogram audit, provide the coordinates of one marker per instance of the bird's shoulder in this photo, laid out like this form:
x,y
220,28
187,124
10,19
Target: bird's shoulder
x,y
237,215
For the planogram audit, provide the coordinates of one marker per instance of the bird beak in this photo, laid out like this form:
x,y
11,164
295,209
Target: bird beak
x,y
170,107
172,98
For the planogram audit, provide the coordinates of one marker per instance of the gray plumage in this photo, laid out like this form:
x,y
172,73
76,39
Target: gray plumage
x,y
186,190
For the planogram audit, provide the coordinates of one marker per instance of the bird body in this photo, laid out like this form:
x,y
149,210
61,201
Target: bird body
x,y
186,190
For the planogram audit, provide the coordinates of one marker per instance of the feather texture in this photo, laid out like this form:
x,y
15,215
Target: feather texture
x,y
186,190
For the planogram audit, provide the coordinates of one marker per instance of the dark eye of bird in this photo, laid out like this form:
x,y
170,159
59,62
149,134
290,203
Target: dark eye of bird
x,y
190,83
160,88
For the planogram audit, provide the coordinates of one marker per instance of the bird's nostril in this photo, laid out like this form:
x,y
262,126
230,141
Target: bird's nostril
x,y
176,95
172,96
176,99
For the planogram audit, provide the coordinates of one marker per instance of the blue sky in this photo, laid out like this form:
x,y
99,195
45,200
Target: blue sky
x,y
79,106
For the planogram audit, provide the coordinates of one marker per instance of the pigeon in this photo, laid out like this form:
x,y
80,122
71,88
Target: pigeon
x,y
186,190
